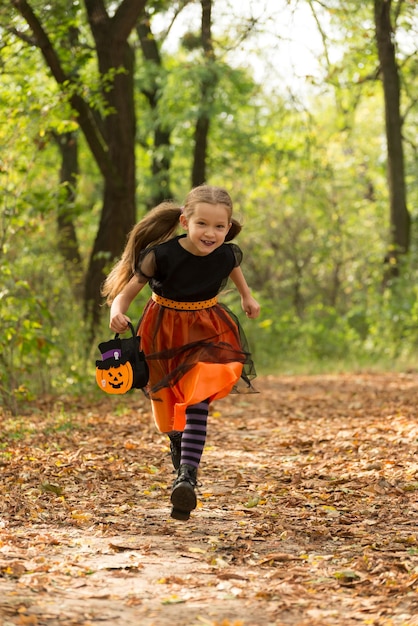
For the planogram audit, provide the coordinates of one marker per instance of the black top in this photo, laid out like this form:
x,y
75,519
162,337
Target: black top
x,y
180,275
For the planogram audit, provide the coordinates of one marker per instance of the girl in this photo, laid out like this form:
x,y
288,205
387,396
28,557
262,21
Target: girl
x,y
195,348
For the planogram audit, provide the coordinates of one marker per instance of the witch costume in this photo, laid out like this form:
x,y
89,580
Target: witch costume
x,y
196,349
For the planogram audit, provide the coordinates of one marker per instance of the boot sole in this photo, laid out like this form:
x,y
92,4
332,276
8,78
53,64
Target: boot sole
x,y
183,499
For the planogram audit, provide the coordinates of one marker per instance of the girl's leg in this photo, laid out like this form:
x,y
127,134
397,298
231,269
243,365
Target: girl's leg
x,y
162,405
175,447
163,413
194,434
183,497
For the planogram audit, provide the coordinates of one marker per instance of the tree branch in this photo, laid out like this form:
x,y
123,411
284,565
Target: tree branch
x,y
85,116
41,40
126,16
120,25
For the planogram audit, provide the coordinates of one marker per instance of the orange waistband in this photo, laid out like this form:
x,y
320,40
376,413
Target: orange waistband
x,y
184,306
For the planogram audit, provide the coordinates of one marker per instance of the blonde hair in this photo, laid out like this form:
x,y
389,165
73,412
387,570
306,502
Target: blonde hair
x,y
159,225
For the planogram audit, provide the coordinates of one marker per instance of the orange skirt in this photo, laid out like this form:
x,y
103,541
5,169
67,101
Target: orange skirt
x,y
193,355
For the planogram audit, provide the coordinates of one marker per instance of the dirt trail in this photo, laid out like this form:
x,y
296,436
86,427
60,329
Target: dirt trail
x,y
307,511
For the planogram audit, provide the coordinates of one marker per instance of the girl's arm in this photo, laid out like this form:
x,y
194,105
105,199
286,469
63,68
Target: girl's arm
x,y
118,318
248,303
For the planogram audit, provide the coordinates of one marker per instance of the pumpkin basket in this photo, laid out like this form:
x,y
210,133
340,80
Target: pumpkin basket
x,y
123,366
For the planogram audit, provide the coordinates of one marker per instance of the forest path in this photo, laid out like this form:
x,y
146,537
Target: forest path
x,y
307,511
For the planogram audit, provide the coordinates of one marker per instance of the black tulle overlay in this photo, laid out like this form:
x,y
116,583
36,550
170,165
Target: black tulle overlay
x,y
193,355
174,362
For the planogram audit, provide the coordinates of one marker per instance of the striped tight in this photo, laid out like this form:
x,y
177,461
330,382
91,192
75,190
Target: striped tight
x,y
194,434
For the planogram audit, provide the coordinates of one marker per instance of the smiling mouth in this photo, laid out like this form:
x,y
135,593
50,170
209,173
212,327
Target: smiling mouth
x,y
207,243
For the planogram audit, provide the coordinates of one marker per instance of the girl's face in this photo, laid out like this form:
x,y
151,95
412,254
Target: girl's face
x,y
206,228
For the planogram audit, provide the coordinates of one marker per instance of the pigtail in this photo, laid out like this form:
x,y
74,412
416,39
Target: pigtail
x,y
158,225
234,230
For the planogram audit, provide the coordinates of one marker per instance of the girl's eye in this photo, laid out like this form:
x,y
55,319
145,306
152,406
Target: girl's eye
x,y
219,226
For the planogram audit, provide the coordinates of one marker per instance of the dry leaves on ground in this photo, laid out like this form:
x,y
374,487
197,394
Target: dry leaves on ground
x,y
307,511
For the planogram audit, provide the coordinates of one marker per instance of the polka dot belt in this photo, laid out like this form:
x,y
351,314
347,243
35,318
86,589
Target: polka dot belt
x,y
184,306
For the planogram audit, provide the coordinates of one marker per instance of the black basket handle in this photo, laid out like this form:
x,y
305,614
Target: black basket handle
x,y
130,325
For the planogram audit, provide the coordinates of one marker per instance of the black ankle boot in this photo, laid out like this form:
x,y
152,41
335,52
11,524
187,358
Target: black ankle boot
x,y
183,497
175,449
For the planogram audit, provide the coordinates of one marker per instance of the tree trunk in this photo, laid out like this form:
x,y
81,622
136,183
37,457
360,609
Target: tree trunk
x,y
399,215
209,82
111,138
67,235
161,155
119,211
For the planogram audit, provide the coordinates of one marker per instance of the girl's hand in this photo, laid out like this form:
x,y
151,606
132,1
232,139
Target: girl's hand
x,y
251,307
248,303
119,323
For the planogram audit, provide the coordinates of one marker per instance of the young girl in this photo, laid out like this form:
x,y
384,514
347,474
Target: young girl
x,y
196,350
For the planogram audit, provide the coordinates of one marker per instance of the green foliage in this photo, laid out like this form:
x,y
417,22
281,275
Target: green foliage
x,y
380,332
41,344
40,325
308,182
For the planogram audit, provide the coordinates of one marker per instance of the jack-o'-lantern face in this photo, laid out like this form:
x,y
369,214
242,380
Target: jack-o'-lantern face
x,y
115,379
